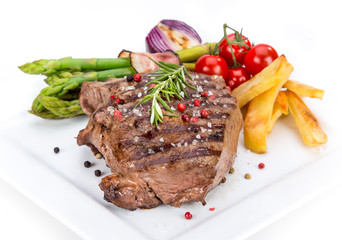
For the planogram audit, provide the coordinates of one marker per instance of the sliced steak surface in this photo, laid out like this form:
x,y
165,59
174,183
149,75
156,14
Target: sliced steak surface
x,y
174,163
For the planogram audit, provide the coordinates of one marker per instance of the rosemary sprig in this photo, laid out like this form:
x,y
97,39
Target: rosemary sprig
x,y
170,81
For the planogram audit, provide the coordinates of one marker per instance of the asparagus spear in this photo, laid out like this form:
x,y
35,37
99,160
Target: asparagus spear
x,y
59,108
194,53
53,77
45,66
64,85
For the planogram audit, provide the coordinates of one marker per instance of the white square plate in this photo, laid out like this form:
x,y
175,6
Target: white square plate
x,y
60,184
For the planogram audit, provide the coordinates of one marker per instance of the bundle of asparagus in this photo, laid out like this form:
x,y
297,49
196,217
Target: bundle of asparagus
x,y
65,77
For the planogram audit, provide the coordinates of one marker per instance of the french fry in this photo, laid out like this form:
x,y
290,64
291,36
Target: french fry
x,y
258,117
303,90
306,122
280,107
269,77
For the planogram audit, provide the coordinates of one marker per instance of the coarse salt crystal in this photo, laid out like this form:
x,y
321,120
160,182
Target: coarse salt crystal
x,y
196,76
225,105
130,88
179,144
182,94
161,140
194,142
210,93
209,124
136,139
185,144
203,129
150,151
173,145
224,116
205,81
139,94
135,111
199,89
110,109
198,136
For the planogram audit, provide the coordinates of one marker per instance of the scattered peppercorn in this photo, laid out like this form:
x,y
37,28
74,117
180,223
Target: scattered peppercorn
x,y
87,164
204,113
212,209
261,165
97,173
98,155
231,171
137,77
212,96
181,107
248,176
56,149
118,101
117,114
153,85
194,119
188,215
130,78
112,97
185,118
197,102
204,94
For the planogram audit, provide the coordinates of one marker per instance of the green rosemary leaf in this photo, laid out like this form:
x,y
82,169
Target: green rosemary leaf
x,y
164,104
169,80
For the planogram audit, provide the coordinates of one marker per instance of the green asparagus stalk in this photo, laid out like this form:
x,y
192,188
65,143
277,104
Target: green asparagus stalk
x,y
64,85
194,53
59,108
53,77
190,66
45,66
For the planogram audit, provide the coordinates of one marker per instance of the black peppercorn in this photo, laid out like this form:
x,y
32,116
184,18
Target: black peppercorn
x,y
56,149
97,173
130,78
87,164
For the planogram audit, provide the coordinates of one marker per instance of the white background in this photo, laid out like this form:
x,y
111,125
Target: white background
x,y
305,31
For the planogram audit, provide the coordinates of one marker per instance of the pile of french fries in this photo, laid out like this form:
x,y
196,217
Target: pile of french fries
x,y
269,95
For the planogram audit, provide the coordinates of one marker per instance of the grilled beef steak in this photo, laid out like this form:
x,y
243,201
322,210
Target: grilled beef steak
x,y
174,163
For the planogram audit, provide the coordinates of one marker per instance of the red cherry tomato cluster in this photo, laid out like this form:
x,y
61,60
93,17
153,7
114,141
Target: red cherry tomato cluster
x,y
237,60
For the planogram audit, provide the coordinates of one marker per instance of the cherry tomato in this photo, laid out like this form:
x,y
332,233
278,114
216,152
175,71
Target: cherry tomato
x,y
259,57
239,52
237,76
212,65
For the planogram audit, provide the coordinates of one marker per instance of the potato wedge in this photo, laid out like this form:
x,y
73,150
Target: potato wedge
x,y
280,107
303,90
281,103
258,116
306,122
269,77
275,115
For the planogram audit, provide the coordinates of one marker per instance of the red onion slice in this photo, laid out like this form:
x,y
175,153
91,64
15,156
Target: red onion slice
x,y
171,35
